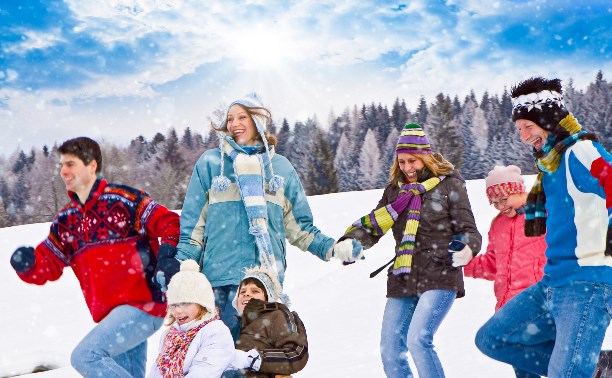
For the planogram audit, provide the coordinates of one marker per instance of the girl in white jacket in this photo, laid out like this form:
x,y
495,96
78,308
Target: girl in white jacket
x,y
196,343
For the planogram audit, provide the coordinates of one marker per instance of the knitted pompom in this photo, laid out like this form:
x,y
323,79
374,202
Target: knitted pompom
x,y
276,183
220,183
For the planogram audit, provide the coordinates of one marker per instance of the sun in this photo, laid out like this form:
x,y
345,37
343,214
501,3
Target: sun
x,y
263,48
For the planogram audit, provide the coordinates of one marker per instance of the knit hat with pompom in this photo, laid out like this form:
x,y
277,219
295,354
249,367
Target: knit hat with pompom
x,y
413,140
189,285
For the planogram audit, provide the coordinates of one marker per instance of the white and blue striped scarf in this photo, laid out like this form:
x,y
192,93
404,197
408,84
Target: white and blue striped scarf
x,y
250,170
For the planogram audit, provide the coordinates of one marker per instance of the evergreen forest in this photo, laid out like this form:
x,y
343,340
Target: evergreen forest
x,y
350,151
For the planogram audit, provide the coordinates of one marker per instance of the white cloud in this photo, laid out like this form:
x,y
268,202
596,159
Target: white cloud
x,y
304,57
34,40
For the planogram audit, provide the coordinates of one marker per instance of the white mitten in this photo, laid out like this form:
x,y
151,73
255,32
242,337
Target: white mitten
x,y
462,257
247,360
348,250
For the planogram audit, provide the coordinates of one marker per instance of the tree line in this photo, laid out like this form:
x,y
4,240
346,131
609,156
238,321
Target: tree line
x,y
353,152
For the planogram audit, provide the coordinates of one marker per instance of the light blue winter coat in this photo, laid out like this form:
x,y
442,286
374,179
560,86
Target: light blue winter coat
x,y
214,225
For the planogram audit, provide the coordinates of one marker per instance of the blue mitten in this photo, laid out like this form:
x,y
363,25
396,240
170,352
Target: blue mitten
x,y
23,259
167,265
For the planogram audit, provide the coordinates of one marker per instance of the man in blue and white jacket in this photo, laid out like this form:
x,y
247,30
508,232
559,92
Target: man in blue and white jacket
x,y
556,327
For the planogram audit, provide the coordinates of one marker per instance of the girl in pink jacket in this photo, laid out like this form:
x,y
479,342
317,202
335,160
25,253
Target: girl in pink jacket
x,y
513,260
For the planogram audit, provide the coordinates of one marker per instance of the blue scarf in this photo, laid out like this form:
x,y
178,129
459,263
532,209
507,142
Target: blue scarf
x,y
250,168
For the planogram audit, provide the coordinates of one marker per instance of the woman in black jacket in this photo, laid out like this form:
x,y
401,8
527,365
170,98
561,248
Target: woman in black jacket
x,y
427,207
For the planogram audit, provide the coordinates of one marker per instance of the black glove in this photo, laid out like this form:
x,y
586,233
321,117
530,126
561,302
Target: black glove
x,y
23,259
167,265
608,251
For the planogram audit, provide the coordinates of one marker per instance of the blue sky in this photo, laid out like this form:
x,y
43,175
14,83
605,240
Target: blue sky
x,y
117,69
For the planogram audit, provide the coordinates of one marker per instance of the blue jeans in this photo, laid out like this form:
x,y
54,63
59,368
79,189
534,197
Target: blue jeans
x,y
224,295
117,346
409,324
523,333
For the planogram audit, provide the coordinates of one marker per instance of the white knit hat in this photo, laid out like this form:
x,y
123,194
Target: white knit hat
x,y
191,286
269,280
504,181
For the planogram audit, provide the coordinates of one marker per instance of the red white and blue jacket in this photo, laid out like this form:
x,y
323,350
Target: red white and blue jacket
x,y
579,206
111,244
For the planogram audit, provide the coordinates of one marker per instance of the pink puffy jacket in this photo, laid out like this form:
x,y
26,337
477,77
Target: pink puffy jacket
x,y
512,260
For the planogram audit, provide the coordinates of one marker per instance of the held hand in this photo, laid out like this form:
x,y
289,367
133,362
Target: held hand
x,y
23,259
348,251
462,257
167,265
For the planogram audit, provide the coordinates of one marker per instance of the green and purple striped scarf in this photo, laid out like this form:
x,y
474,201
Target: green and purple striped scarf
x,y
379,221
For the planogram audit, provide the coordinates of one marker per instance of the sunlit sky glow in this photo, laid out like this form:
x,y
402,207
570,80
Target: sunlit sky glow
x,y
117,69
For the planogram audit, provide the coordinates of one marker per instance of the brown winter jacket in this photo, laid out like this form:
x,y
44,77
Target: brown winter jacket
x,y
279,336
445,212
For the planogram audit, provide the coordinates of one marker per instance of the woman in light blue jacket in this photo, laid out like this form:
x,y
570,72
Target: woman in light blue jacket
x,y
243,201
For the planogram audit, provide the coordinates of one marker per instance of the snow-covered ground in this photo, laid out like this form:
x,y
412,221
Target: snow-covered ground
x,y
340,305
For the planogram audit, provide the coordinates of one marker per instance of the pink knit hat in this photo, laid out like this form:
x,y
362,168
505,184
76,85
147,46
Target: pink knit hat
x,y
504,181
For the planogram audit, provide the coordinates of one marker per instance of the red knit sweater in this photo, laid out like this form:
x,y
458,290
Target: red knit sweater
x,y
111,244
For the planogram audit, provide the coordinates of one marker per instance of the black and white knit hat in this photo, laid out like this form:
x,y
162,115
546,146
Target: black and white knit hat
x,y
540,101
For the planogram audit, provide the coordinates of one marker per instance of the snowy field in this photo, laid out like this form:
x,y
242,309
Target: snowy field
x,y
341,306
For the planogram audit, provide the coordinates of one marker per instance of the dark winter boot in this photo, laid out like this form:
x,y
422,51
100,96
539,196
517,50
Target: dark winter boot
x,y
604,365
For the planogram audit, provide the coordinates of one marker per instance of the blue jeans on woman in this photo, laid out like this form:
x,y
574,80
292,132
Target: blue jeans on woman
x,y
409,324
551,331
117,346
224,295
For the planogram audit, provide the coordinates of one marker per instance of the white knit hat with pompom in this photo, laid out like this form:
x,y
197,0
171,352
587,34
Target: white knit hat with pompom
x,y
191,286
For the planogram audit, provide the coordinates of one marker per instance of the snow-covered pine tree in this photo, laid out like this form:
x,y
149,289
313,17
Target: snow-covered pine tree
x,y
344,166
322,177
598,106
422,112
399,114
300,149
337,127
283,137
443,132
370,165
388,154
471,152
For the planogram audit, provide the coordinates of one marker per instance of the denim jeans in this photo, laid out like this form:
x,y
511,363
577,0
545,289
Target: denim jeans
x,y
224,295
551,331
117,346
409,324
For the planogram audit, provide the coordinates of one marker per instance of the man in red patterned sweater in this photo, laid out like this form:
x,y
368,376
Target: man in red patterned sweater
x,y
108,234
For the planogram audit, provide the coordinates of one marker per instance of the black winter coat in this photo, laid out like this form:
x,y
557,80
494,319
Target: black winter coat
x,y
445,212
